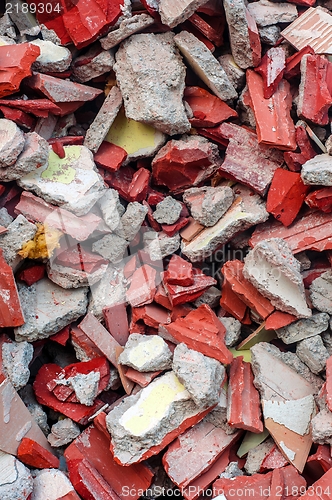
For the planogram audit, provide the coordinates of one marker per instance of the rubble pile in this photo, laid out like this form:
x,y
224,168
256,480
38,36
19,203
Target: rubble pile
x,y
166,250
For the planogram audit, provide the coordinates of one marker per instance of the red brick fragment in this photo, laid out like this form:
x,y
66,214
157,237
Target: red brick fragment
x,y
58,149
286,195
321,199
32,274
127,384
121,180
142,286
76,257
246,292
77,412
72,495
138,188
296,160
274,124
208,110
319,462
15,63
38,107
68,140
62,336
273,460
178,294
202,331
11,313
211,27
140,378
151,314
271,68
162,298
314,96
116,321
93,447
191,28
33,454
109,156
192,229
79,339
321,489
172,229
257,484
21,118
179,272
243,409
279,319
233,304
293,63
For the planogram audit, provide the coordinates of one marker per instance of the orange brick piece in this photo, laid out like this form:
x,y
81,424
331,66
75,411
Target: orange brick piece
x,y
243,410
33,454
10,307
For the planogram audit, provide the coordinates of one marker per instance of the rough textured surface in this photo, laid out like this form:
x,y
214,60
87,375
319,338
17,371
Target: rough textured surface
x,y
235,74
205,65
92,64
15,479
233,330
112,247
208,204
267,13
167,211
174,12
36,410
131,221
313,353
304,328
146,353
273,270
256,456
149,94
321,292
19,232
318,171
11,142
16,357
48,308
109,291
201,375
111,208
126,28
51,484
52,58
63,432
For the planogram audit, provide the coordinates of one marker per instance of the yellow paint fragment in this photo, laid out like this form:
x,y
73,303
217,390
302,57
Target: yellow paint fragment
x,y
145,350
43,244
59,169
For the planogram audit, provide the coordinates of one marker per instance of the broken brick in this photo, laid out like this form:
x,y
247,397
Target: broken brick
x,y
142,286
179,272
208,110
11,311
33,454
321,199
179,294
32,274
295,160
15,61
271,68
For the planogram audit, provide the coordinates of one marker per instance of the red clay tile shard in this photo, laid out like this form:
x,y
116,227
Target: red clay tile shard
x,y
211,27
79,339
15,63
77,412
321,199
62,336
208,110
271,68
194,451
37,210
93,446
33,454
142,286
273,460
179,272
321,489
247,161
58,149
312,231
116,321
274,124
243,408
181,164
295,160
142,379
100,337
11,313
138,188
77,257
178,294
257,484
110,157
62,91
293,62
286,195
319,462
314,97
121,180
151,314
279,319
172,229
38,107
233,274
233,304
32,274
21,118
201,331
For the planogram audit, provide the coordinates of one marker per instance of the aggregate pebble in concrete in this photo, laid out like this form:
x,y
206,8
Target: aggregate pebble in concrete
x,y
16,357
201,375
48,308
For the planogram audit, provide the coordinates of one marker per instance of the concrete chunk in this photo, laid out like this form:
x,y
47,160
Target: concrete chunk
x,y
15,479
208,204
318,171
50,484
167,211
19,232
112,247
201,375
63,432
146,353
109,291
48,308
52,58
233,330
11,142
321,292
152,86
174,12
235,74
304,328
111,208
267,13
131,221
313,353
16,357
271,267
127,27
92,64
205,65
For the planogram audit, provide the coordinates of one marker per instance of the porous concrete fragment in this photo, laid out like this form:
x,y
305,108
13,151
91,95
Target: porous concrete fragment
x,y
205,65
85,386
256,456
321,292
211,297
63,432
201,375
72,182
218,416
146,353
208,204
50,484
313,353
241,26
28,397
53,58
267,13
112,247
48,308
304,328
131,221
271,267
19,232
235,74
233,330
269,34
34,155
127,27
7,27
67,277
148,418
150,74
111,208
232,470
109,291
16,357
174,12
93,63
167,211
11,142
318,170
159,245
247,210
98,129
49,35
328,145
321,427
15,479
5,218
